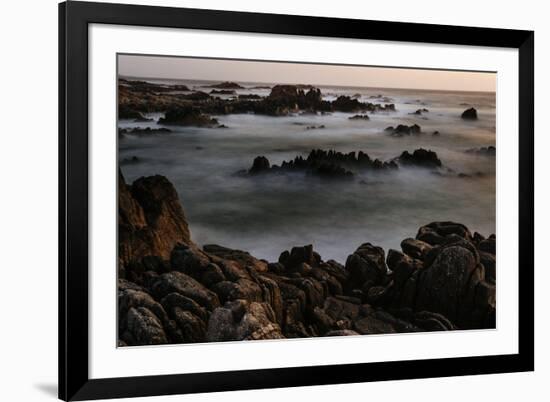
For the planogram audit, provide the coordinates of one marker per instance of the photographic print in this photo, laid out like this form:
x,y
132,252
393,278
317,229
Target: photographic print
x,y
271,200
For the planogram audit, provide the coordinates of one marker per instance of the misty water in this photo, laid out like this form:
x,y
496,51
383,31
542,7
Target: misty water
x,y
267,214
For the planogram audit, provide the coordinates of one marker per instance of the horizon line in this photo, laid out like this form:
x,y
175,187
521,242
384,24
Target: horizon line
x,y
314,85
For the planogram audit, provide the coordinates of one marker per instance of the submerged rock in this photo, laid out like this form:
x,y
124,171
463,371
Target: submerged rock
x,y
487,151
469,114
189,116
261,164
420,158
143,131
226,85
359,117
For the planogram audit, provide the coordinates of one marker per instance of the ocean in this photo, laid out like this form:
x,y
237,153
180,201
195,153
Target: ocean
x,y
268,214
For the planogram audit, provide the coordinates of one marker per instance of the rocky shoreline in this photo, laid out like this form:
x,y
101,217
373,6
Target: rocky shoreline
x,y
170,290
186,107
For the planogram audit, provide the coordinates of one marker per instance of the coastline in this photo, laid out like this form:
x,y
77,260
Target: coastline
x,y
173,291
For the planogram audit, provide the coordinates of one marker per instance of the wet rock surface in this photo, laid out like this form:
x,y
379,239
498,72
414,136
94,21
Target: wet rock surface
x,y
172,291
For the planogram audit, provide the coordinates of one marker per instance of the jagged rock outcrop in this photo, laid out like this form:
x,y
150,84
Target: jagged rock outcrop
x,y
172,291
151,222
420,158
187,116
194,108
327,164
403,129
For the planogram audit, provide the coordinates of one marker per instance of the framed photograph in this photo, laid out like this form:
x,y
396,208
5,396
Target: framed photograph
x,y
257,200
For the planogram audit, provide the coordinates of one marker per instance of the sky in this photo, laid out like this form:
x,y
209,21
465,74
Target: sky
x,y
298,73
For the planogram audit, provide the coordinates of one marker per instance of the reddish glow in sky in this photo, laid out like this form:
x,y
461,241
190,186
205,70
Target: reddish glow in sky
x,y
298,73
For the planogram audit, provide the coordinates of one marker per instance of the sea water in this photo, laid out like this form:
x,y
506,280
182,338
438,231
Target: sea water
x,y
267,214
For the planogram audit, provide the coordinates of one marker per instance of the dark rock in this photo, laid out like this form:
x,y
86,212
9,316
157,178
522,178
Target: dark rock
x,y
176,300
226,85
151,220
189,116
143,131
415,248
487,151
444,286
299,255
143,328
239,256
249,96
240,320
489,263
436,233
371,325
177,282
346,104
359,117
242,289
402,129
433,322
196,96
367,263
420,158
260,165
342,332
488,245
192,328
223,92
339,309
469,114
125,112
324,164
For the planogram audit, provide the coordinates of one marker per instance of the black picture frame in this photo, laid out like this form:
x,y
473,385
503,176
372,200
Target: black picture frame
x,y
74,18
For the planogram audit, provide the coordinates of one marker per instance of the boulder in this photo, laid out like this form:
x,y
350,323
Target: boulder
x,y
143,328
448,286
239,256
177,282
240,320
436,233
469,114
151,220
242,289
260,165
176,300
299,255
371,325
366,264
415,248
191,327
